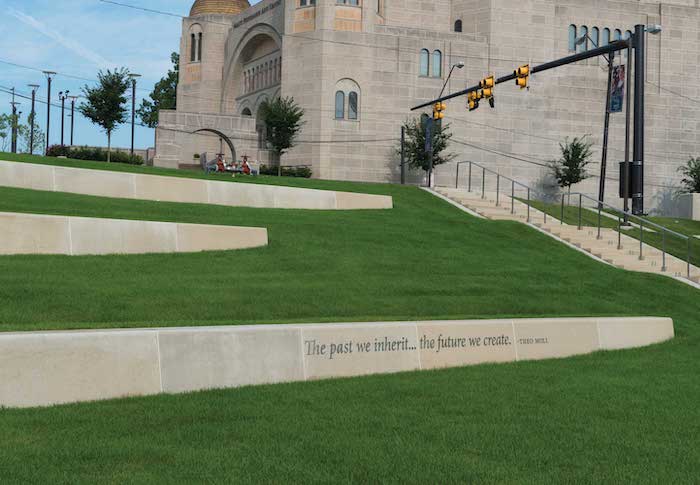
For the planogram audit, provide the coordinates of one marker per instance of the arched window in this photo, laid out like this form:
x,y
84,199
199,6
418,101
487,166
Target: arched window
x,y
606,37
618,34
193,48
572,38
437,64
583,34
339,105
628,34
424,62
199,47
595,37
352,105
458,25
246,112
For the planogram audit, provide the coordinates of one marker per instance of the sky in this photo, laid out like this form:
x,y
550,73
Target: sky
x,y
78,38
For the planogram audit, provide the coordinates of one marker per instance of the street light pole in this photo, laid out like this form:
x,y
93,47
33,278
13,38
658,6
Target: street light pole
x,y
72,117
13,138
133,107
63,96
32,118
48,109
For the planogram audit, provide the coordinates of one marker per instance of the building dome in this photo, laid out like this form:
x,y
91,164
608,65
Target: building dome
x,y
221,7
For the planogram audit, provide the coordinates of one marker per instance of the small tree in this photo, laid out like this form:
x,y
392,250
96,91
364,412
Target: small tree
x,y
570,169
283,121
414,144
163,96
691,176
25,136
106,103
5,130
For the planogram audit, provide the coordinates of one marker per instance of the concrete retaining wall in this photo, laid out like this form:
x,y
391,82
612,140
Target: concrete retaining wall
x,y
123,185
45,234
43,368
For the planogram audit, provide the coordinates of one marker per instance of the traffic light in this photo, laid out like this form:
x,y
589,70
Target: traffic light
x,y
486,91
522,75
438,111
473,99
488,82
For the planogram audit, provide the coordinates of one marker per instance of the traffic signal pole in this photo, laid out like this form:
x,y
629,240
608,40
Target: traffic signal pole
x,y
637,42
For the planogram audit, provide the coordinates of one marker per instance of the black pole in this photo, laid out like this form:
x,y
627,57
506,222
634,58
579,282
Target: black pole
x,y
403,155
13,143
429,147
72,119
32,121
63,111
133,112
638,152
628,119
606,134
48,115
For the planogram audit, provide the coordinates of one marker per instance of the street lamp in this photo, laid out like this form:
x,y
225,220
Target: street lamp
x,y
32,118
63,96
133,107
72,117
48,108
458,65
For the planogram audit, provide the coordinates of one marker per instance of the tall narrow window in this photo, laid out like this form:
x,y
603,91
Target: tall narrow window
x,y
458,26
339,105
595,37
583,34
199,47
437,64
193,48
424,63
572,38
352,105
618,34
606,37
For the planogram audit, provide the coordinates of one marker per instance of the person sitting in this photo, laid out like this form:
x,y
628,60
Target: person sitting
x,y
246,167
220,167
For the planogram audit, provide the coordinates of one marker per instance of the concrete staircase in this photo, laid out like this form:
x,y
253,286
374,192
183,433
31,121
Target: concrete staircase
x,y
621,251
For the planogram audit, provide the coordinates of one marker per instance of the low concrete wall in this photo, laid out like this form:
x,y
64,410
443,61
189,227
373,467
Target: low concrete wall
x,y
45,234
44,368
689,206
174,189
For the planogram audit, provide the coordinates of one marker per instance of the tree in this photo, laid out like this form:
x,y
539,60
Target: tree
x,y
5,130
283,121
25,136
414,145
163,96
570,169
106,103
691,176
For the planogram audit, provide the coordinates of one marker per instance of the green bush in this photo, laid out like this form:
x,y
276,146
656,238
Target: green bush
x,y
301,171
93,154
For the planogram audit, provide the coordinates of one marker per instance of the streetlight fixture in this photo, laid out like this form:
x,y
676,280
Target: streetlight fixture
x,y
48,108
133,107
458,65
63,96
32,118
72,117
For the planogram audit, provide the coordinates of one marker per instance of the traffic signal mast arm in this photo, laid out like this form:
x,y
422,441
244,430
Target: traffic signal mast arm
x,y
615,46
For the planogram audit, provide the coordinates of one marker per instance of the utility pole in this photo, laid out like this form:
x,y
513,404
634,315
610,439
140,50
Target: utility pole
x,y
13,143
638,151
63,96
48,109
72,117
32,118
133,107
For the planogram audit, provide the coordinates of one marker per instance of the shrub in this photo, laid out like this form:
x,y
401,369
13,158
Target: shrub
x,y
301,171
93,154
691,176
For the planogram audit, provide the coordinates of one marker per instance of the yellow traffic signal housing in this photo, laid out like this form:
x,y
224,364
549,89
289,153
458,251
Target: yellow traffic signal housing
x,y
438,111
487,93
473,98
488,82
522,75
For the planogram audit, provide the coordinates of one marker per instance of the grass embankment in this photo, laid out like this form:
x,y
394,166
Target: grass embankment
x,y
654,237
615,417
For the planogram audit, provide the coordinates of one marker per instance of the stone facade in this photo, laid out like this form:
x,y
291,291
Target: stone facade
x,y
313,51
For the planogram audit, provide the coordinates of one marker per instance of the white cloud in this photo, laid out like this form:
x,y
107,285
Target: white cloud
x,y
70,44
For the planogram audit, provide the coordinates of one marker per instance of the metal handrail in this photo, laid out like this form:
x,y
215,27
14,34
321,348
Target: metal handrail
x,y
600,204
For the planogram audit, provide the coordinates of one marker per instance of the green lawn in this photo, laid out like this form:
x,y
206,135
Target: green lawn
x,y
613,417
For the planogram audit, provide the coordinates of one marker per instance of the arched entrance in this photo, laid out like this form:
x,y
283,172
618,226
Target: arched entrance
x,y
223,137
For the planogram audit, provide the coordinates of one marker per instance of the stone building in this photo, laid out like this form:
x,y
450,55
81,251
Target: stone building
x,y
357,66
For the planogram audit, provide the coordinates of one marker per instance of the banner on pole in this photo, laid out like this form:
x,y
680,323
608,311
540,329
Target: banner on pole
x,y
617,93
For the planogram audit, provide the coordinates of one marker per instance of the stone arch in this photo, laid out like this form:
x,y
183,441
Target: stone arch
x,y
225,138
258,38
